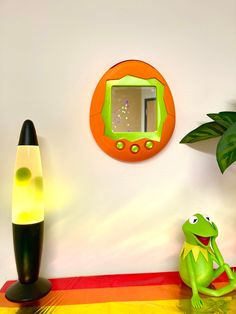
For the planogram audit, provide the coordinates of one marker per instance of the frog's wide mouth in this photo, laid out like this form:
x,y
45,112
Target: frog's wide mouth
x,y
203,240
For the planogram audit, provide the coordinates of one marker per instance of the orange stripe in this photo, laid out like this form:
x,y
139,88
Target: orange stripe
x,y
102,295
87,296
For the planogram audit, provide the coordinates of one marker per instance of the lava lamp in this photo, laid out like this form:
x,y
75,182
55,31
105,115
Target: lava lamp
x,y
28,219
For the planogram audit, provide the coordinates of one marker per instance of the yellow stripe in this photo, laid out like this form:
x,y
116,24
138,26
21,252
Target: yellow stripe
x,y
142,307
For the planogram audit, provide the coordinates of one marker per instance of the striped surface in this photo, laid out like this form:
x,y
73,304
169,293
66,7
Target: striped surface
x,y
123,294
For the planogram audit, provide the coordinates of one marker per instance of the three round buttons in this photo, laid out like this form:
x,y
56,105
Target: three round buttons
x,y
134,148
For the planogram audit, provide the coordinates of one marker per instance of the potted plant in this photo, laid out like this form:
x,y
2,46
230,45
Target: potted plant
x,y
223,125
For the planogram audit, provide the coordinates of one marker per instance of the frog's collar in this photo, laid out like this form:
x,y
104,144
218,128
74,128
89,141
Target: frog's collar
x,y
196,249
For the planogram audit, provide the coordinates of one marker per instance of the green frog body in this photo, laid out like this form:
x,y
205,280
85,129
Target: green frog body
x,y
198,254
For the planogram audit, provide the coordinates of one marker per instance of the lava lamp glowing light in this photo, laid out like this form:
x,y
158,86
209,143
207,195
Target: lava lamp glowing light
x,y
28,219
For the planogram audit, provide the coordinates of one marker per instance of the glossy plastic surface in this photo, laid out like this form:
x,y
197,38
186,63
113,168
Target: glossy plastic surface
x,y
131,73
149,293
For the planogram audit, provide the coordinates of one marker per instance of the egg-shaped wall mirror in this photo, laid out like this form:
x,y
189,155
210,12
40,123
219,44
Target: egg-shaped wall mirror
x,y
132,115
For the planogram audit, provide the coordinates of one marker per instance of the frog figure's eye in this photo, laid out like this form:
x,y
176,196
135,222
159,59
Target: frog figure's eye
x,y
207,218
193,220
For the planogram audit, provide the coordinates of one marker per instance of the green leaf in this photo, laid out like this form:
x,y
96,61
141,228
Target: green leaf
x,y
226,148
204,132
224,118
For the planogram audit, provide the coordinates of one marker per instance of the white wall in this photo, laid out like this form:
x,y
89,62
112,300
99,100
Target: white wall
x,y
105,216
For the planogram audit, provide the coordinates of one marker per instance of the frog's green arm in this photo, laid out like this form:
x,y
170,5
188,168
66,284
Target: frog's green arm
x,y
190,265
220,260
219,257
195,300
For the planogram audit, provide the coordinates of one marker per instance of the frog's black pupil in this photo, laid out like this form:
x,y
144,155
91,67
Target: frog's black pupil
x,y
195,220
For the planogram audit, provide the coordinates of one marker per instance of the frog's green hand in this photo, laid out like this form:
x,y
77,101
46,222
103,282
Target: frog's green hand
x,y
196,301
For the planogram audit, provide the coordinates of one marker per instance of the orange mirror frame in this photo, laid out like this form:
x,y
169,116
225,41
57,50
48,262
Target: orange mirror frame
x,y
131,145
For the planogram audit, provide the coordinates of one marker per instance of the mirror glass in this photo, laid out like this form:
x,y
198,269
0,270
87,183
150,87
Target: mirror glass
x,y
134,109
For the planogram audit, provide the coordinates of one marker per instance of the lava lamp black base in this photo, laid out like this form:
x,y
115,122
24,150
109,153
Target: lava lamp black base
x,y
25,292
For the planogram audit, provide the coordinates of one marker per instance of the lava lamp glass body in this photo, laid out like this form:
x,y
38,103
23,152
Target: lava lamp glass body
x,y
27,200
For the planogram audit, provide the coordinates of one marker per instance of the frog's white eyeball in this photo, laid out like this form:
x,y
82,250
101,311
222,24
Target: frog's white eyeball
x,y
193,220
207,218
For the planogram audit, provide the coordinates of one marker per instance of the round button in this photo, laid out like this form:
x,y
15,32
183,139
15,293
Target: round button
x,y
120,145
134,149
149,144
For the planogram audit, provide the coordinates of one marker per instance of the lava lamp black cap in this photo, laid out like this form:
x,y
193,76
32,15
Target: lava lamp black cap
x,y
28,134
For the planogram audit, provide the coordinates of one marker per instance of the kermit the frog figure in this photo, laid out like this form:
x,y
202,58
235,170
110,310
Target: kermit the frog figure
x,y
197,256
